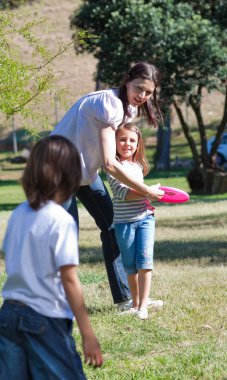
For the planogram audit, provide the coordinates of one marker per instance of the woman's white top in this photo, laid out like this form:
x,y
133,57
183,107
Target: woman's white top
x,y
82,124
128,211
37,243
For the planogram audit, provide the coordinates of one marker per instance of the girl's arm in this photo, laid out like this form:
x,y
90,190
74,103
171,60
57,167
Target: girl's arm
x,y
124,192
121,191
74,293
133,195
113,167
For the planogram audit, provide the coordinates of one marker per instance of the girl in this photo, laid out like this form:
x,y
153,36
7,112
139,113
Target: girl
x,y
91,124
134,219
42,291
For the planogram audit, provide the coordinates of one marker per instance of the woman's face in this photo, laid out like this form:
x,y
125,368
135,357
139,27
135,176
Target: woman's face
x,y
139,91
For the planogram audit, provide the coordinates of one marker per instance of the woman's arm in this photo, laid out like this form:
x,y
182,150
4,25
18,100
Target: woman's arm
x,y
113,167
74,293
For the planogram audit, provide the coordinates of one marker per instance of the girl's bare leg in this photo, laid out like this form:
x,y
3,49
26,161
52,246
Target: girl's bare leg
x,y
134,289
144,281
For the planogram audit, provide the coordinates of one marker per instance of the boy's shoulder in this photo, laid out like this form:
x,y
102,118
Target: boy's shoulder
x,y
21,208
49,211
54,211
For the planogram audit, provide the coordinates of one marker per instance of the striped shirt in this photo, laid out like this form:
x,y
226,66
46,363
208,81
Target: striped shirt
x,y
128,211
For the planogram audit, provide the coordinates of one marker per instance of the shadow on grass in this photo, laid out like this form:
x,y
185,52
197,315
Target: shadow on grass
x,y
213,251
208,198
8,206
91,255
201,221
18,168
12,206
9,182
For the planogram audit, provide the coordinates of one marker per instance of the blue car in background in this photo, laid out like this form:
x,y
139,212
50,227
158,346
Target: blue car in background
x,y
221,151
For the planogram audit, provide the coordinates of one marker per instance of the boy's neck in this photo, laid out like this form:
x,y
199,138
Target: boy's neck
x,y
57,198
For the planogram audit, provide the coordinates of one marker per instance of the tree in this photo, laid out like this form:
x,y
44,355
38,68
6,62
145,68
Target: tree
x,y
22,83
187,41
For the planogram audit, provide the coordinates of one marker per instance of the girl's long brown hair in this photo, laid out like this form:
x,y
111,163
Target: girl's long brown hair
x,y
139,155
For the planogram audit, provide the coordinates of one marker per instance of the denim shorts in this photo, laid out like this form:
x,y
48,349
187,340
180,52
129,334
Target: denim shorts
x,y
136,243
36,347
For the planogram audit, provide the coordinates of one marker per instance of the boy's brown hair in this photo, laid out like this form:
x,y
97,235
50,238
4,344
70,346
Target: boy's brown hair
x,y
53,168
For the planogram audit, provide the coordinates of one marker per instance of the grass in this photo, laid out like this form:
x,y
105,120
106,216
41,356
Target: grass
x,y
185,341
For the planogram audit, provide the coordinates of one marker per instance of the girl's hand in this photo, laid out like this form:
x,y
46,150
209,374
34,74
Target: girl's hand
x,y
92,352
155,193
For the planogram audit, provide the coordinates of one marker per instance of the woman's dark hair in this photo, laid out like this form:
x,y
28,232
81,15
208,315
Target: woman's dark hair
x,y
53,168
151,108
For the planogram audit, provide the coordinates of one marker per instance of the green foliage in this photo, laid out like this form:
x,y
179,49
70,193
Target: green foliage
x,y
186,40
31,78
187,48
215,11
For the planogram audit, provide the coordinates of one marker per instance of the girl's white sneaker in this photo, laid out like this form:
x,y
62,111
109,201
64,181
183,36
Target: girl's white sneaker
x,y
155,305
142,314
129,311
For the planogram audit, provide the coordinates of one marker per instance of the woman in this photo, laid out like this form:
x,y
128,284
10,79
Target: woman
x,y
91,124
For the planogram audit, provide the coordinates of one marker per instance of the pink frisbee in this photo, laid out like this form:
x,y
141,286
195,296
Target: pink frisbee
x,y
173,195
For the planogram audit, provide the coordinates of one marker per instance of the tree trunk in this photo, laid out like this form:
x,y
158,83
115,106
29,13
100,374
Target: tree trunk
x,y
188,135
207,181
163,145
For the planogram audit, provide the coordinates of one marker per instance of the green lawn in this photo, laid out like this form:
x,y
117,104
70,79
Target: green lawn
x,y
187,339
